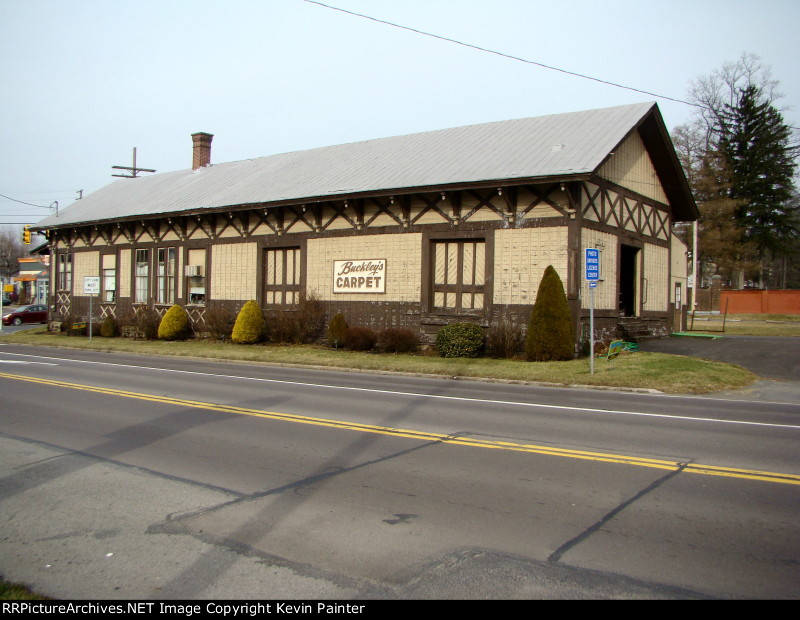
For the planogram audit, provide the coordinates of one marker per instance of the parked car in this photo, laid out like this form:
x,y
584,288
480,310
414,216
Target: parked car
x,y
6,299
35,313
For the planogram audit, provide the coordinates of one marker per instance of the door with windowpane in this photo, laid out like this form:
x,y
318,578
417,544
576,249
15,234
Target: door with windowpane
x,y
459,276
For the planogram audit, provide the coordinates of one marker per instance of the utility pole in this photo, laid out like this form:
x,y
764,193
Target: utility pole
x,y
134,171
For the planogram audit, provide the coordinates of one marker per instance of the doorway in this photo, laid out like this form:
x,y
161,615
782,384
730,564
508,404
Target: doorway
x,y
628,280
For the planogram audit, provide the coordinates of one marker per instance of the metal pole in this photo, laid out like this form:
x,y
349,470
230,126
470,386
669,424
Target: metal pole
x,y
90,317
591,329
694,267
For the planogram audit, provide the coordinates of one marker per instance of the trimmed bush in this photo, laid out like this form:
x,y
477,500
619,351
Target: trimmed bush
x,y
398,340
359,338
460,340
250,324
109,328
336,329
551,336
175,325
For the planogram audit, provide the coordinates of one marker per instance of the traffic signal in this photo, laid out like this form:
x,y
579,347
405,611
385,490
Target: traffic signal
x,y
26,235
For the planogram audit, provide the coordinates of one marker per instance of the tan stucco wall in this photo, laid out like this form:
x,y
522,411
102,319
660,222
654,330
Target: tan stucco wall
x,y
605,293
630,166
84,264
679,269
656,272
234,267
124,274
520,258
403,254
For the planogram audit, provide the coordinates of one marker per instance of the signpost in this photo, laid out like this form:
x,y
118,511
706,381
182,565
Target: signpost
x,y
91,287
592,276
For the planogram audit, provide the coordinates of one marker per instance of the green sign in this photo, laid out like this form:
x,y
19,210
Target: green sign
x,y
614,349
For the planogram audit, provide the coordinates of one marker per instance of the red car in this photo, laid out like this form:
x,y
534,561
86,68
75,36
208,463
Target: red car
x,y
35,313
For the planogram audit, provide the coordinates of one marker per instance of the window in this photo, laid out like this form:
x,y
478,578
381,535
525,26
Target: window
x,y
65,272
282,276
459,276
195,280
109,278
166,276
142,276
109,285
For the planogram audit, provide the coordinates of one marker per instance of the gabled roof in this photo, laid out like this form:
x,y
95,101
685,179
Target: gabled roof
x,y
558,147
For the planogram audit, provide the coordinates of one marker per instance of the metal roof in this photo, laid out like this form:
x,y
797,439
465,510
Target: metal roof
x,y
561,146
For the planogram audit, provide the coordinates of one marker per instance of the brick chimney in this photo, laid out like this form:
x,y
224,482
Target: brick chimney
x,y
201,149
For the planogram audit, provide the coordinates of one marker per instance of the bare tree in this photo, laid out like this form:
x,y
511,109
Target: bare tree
x,y
11,249
723,89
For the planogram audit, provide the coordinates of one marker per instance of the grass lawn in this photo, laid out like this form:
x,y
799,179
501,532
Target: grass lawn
x,y
16,592
749,324
666,373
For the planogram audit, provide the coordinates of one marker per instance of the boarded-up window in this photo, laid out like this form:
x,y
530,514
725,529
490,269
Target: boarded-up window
x,y
459,276
282,276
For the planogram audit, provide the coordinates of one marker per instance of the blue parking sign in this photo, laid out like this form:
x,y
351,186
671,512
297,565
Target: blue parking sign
x,y
592,264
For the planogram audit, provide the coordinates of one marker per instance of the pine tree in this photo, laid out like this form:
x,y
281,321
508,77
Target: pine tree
x,y
737,119
757,146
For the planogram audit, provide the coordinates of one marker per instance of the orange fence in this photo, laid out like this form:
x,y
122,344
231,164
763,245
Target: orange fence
x,y
761,302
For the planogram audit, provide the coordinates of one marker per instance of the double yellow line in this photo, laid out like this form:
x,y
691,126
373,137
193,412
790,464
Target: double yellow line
x,y
691,468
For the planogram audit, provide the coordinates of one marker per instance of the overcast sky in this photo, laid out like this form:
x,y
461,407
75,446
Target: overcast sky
x,y
85,81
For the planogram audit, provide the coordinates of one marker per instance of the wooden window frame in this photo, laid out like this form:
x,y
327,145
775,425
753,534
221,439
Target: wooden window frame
x,y
282,289
458,288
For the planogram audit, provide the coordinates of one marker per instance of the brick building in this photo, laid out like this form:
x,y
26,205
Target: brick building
x,y
414,231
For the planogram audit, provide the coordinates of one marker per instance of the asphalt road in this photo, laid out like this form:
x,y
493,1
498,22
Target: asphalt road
x,y
136,477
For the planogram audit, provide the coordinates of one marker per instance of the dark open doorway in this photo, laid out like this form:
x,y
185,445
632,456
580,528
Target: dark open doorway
x,y
628,278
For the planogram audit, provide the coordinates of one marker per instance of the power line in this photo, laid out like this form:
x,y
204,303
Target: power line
x,y
504,55
24,203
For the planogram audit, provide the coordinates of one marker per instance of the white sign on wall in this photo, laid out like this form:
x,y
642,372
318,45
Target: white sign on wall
x,y
359,276
91,285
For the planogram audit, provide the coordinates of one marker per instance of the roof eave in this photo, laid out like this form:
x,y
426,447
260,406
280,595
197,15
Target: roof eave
x,y
564,177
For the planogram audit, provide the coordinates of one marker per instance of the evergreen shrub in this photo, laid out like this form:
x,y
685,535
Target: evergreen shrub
x,y
398,340
336,329
460,340
175,325
551,336
359,338
250,325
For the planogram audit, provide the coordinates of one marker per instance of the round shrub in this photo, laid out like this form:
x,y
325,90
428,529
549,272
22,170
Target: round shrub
x,y
175,325
359,338
398,340
249,326
550,333
460,340
336,329
109,327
